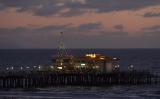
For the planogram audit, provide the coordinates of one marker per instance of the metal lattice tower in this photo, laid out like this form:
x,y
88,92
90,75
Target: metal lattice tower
x,y
62,50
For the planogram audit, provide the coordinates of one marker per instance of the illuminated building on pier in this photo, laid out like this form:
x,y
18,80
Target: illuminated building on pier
x,y
68,63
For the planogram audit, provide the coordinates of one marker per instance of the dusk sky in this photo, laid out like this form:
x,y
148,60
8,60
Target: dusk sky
x,y
85,23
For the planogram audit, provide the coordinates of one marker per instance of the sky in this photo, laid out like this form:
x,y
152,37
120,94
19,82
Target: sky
x,y
27,24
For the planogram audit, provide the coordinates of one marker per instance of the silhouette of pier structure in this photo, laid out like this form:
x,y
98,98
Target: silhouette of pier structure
x,y
50,79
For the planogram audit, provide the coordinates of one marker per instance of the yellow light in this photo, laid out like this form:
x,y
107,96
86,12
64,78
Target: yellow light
x,y
91,55
82,64
102,58
59,67
77,66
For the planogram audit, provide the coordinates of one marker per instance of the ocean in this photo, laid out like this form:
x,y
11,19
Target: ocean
x,y
141,59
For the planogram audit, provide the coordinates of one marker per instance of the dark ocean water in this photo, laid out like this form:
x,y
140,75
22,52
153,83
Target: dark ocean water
x,y
148,59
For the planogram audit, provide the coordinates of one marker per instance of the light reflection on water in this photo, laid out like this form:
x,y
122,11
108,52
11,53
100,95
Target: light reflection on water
x,y
114,92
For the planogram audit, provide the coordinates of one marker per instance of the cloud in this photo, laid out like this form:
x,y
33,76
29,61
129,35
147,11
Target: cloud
x,y
51,28
89,27
119,27
152,28
82,29
118,5
75,7
151,14
37,7
82,36
152,32
85,35
8,31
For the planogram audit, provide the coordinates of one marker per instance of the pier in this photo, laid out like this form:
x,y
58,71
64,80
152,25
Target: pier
x,y
50,79
91,69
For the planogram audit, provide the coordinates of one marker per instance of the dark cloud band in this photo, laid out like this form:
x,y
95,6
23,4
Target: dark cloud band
x,y
55,7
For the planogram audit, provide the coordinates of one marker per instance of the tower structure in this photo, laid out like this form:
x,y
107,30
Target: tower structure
x,y
62,49
62,61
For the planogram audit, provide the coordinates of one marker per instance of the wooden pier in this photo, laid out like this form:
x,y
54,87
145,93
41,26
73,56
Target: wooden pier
x,y
50,79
